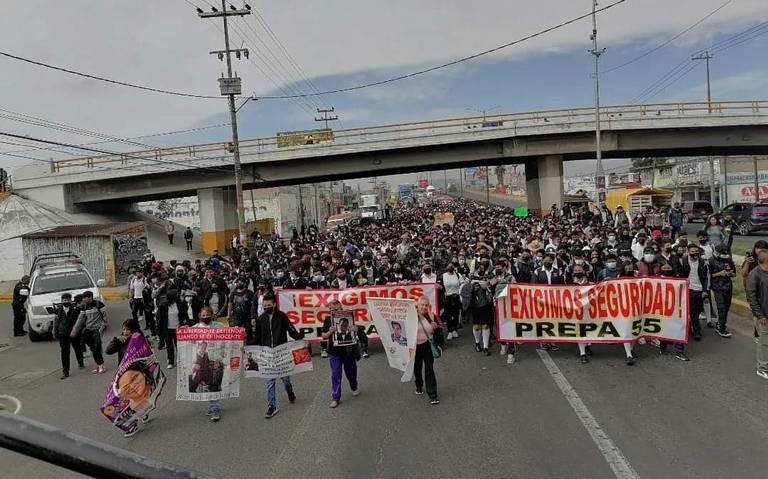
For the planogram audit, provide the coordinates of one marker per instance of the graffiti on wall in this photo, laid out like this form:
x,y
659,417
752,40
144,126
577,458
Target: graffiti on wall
x,y
130,248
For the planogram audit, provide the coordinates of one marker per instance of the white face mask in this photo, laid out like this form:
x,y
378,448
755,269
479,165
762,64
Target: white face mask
x,y
579,261
648,258
610,265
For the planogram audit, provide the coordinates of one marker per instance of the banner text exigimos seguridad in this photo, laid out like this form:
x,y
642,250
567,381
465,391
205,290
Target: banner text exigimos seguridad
x,y
308,309
613,311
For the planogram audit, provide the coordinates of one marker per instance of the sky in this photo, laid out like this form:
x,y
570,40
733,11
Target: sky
x,y
341,43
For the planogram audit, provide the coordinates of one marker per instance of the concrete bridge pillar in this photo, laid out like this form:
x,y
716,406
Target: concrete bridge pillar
x,y
230,219
213,219
544,183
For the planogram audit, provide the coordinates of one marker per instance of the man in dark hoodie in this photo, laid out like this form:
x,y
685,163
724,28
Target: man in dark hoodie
x,y
722,271
66,317
272,329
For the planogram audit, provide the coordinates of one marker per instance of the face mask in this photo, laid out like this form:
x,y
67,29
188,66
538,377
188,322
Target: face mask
x,y
547,265
450,269
694,257
279,274
702,241
612,238
179,274
240,285
206,319
269,309
428,271
579,275
724,256
648,258
610,265
666,272
579,261
317,278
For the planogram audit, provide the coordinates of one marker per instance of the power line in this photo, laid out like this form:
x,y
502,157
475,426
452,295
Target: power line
x,y
738,36
104,79
448,64
668,41
671,82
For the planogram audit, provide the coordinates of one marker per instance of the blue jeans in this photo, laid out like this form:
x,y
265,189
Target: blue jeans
x,y
214,406
271,395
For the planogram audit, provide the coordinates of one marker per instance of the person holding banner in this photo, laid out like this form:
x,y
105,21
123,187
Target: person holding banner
x,y
424,355
271,329
340,357
206,321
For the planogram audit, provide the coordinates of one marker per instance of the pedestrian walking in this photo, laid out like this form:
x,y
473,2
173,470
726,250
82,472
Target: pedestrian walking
x,y
65,320
170,230
90,323
340,357
271,329
188,235
757,296
206,321
18,304
424,361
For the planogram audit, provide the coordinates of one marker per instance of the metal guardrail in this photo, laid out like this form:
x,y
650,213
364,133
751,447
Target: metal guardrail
x,y
610,115
81,454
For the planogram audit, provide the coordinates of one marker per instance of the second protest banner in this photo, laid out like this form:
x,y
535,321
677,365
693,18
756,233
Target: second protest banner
x,y
613,311
287,359
308,309
397,323
209,363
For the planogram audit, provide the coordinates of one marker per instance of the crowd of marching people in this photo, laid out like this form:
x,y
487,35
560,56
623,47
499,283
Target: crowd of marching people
x,y
470,259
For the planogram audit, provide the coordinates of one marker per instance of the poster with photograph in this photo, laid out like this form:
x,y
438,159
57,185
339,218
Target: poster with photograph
x,y
344,321
287,359
133,391
397,321
209,363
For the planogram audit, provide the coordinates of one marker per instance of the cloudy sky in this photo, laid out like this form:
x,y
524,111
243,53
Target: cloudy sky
x,y
342,43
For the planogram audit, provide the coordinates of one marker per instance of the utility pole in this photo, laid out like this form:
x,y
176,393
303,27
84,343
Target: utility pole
x,y
231,87
461,181
724,169
317,214
596,52
325,116
706,56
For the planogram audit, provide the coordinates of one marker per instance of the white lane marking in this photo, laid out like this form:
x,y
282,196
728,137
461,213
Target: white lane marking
x,y
612,454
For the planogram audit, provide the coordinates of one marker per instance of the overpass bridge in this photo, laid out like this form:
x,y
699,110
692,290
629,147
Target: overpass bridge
x,y
541,140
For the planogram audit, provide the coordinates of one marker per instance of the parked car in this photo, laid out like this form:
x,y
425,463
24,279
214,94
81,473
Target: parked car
x,y
747,217
696,210
50,276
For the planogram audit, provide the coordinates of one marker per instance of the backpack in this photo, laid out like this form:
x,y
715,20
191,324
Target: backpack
x,y
480,297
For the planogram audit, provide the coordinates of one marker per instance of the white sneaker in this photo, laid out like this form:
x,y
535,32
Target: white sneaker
x,y
170,366
511,359
762,374
324,354
448,336
455,334
503,349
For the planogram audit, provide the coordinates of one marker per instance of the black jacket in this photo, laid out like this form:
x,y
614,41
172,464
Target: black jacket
x,y
117,346
18,298
64,322
274,330
685,269
540,277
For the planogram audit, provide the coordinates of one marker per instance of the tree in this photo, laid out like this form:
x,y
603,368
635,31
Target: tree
x,y
166,208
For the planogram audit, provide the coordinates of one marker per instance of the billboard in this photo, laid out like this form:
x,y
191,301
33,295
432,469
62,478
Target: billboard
x,y
304,137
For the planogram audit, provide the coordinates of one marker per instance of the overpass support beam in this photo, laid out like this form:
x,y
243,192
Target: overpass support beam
x,y
544,183
213,219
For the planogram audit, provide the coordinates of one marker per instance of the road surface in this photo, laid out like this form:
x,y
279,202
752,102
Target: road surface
x,y
663,418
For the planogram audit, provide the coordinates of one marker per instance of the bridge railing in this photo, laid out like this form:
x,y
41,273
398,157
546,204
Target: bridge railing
x,y
610,116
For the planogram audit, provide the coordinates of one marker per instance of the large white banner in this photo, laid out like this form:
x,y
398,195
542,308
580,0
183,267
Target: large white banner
x,y
287,359
308,308
209,363
397,323
618,310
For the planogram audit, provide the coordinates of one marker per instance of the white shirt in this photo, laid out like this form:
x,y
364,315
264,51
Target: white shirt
x,y
137,288
452,283
428,278
693,277
638,249
173,316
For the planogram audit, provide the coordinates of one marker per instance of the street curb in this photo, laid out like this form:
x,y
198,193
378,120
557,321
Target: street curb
x,y
742,307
